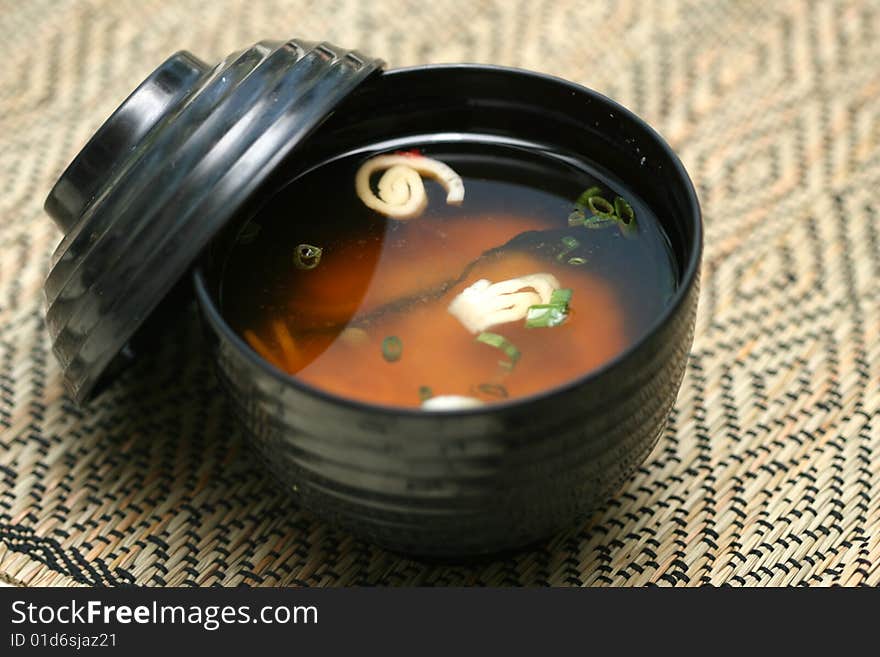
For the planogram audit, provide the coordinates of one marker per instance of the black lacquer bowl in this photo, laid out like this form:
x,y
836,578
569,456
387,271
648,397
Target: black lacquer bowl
x,y
453,484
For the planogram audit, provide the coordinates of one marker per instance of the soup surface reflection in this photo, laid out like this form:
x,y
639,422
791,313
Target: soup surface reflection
x,y
542,273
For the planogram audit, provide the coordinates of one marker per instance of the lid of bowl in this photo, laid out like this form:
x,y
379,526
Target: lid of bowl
x,y
163,175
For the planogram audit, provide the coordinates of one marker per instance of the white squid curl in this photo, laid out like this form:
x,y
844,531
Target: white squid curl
x,y
485,304
401,191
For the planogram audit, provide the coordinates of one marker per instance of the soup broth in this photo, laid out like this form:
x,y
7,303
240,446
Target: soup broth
x,y
541,273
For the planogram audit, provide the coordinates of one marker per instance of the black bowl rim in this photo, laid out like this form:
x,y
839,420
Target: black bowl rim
x,y
688,278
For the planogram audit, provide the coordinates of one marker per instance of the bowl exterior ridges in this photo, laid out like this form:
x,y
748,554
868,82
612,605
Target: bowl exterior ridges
x,y
438,486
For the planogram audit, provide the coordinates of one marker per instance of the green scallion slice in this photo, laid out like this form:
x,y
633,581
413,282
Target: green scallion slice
x,y
624,210
502,343
576,218
600,206
306,256
548,315
577,261
545,315
561,296
586,196
425,393
628,226
392,348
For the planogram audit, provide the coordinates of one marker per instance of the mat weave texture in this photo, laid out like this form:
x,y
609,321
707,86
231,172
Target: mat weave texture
x,y
769,470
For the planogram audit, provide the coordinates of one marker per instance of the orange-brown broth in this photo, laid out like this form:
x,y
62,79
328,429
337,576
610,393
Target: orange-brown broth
x,y
438,352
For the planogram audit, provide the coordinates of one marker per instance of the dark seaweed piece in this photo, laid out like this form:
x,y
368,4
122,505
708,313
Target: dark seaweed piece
x,y
546,244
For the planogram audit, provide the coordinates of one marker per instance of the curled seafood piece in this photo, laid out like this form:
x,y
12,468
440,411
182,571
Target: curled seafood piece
x,y
401,191
485,304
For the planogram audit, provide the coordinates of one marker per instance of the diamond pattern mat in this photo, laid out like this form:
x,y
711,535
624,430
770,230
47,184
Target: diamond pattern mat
x,y
769,469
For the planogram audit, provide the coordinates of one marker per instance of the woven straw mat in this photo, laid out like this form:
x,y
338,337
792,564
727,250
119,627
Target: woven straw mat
x,y
769,470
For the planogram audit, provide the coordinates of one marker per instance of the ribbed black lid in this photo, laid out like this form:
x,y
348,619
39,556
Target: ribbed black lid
x,y
164,174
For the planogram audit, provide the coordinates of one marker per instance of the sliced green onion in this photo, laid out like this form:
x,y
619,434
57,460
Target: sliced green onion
x,y
577,261
600,206
584,198
628,226
561,296
624,210
548,315
545,315
392,348
502,343
602,213
306,256
493,390
425,393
